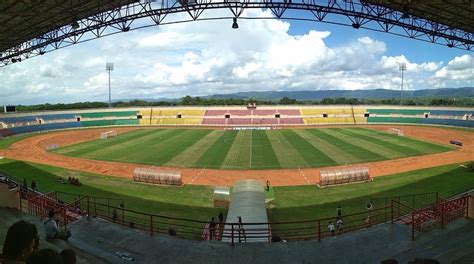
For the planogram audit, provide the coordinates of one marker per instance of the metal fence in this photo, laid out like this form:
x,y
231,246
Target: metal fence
x,y
421,211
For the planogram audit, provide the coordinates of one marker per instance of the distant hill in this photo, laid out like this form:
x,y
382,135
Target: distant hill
x,y
359,94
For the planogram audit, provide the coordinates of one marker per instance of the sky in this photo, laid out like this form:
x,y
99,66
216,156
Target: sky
x,y
209,57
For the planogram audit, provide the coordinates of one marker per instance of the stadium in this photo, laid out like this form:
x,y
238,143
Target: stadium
x,y
233,183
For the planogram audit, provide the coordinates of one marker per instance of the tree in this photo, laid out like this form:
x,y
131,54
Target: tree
x,y
288,101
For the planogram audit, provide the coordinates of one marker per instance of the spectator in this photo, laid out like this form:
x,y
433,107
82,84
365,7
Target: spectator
x,y
221,217
268,185
114,215
33,185
20,242
171,231
52,230
43,256
331,228
369,208
68,256
339,211
212,228
339,224
241,230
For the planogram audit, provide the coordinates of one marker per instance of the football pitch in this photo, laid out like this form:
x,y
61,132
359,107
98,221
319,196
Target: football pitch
x,y
252,149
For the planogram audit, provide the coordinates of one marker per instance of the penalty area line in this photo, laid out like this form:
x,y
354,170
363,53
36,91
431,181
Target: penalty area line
x,y
304,176
197,175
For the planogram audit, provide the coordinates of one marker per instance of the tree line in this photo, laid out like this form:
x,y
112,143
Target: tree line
x,y
199,101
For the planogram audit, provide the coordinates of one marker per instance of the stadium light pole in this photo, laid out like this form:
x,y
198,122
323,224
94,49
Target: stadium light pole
x,y
402,67
109,67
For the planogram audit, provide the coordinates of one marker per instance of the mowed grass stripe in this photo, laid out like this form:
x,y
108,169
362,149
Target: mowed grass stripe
x,y
192,154
354,150
163,152
239,153
263,156
338,155
391,142
138,149
215,155
86,147
367,144
313,155
423,146
287,155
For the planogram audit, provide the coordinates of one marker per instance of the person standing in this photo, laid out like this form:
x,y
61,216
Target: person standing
x,y
339,211
212,228
369,208
339,224
331,228
33,185
221,217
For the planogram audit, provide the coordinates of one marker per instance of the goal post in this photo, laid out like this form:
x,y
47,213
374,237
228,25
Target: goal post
x,y
105,135
395,131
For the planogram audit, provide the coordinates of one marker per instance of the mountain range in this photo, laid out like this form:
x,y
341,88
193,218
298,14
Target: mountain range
x,y
359,94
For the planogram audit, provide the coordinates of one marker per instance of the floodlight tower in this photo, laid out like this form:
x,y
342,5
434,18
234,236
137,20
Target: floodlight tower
x,y
402,67
109,67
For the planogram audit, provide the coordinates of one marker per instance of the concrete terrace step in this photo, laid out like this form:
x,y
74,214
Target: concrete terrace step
x,y
9,216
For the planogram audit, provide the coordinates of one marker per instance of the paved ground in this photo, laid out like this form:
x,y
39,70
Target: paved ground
x,y
9,216
454,244
97,241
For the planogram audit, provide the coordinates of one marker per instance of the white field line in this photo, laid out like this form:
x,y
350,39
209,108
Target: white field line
x,y
306,179
197,175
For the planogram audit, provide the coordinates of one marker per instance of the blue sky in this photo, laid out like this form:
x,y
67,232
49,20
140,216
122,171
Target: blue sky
x,y
202,58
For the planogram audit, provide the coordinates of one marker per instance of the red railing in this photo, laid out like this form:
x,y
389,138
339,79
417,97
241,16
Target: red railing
x,y
39,205
72,206
431,217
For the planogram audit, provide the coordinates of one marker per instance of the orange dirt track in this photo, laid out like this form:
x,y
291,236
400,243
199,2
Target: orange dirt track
x,y
33,150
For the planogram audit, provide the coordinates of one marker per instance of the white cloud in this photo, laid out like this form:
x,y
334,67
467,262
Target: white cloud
x,y
209,57
460,68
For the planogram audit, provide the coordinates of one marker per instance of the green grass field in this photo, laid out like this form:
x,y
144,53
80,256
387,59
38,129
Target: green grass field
x,y
290,203
270,149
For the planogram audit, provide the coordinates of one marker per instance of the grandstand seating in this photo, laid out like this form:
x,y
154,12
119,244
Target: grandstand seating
x,y
179,121
109,114
292,121
450,112
214,121
448,122
55,117
411,120
12,124
6,132
396,111
115,122
44,127
216,112
329,120
18,119
329,111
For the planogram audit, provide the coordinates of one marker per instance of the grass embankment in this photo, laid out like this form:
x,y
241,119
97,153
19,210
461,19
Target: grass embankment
x,y
290,203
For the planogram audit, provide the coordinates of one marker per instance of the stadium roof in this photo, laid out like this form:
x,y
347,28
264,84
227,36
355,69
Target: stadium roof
x,y
32,23
453,13
21,21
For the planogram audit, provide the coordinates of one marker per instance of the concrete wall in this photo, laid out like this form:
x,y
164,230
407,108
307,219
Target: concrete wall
x,y
9,198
